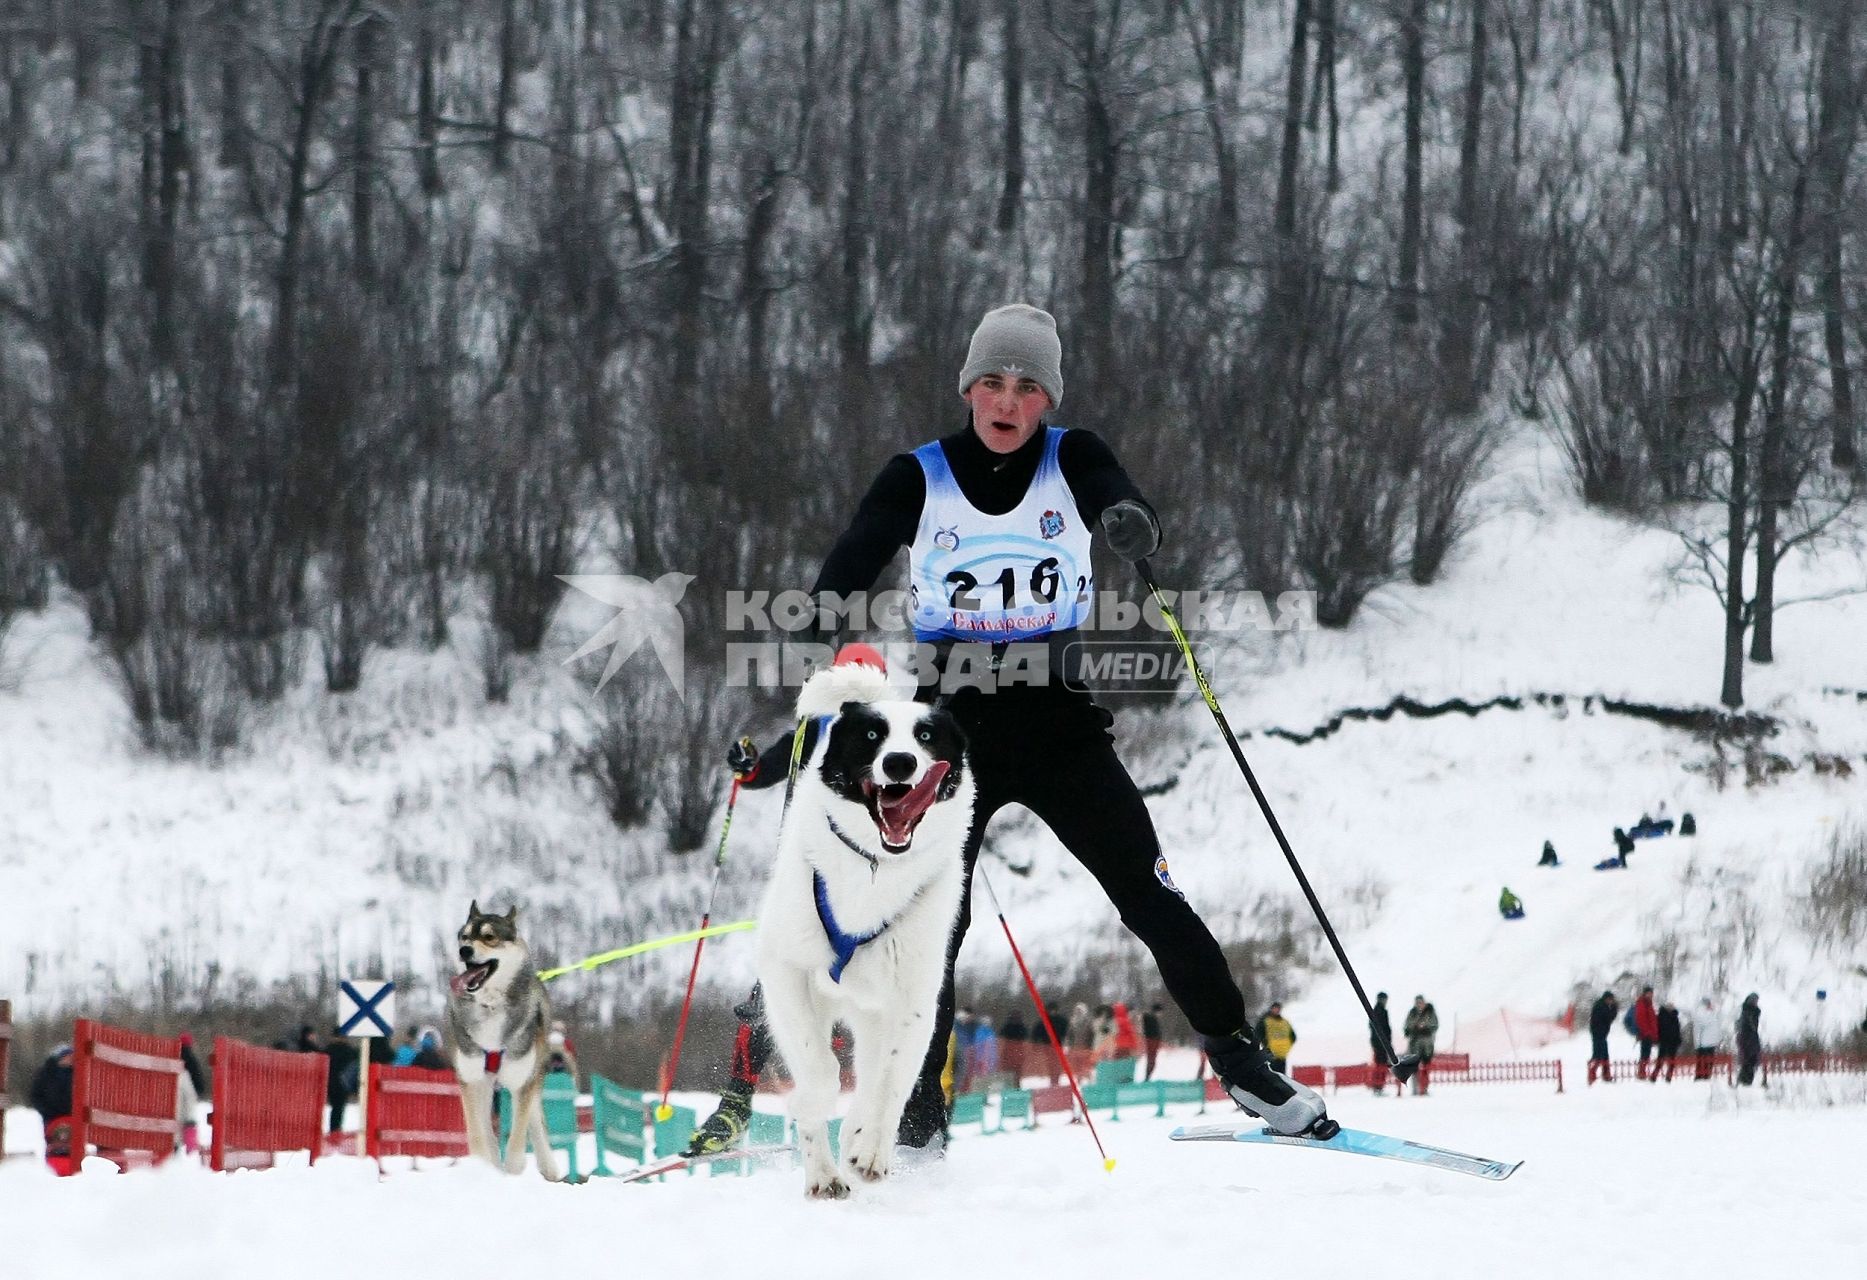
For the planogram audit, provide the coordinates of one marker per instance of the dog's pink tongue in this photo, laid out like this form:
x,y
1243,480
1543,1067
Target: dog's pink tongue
x,y
458,983
898,816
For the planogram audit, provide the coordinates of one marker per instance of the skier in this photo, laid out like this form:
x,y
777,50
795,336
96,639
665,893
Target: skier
x,y
1671,1036
1276,1034
50,1095
1022,498
1646,1028
1012,1043
1381,1040
1421,1028
1749,1039
1600,1022
1150,1037
1509,905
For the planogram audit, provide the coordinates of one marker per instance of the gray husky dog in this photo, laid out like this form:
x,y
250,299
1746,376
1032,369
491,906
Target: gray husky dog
x,y
497,1018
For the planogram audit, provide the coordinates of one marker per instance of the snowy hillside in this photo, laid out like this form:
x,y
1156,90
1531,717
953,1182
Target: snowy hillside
x,y
358,827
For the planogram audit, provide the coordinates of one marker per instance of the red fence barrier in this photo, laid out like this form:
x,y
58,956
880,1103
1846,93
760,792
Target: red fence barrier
x,y
1447,1068
1055,1097
1690,1066
1492,1072
265,1101
1812,1064
415,1111
123,1093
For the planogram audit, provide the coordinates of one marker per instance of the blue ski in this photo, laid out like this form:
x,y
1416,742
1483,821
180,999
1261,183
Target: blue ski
x,y
1358,1142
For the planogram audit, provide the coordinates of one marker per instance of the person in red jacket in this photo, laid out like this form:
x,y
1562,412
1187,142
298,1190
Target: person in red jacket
x,y
1646,1028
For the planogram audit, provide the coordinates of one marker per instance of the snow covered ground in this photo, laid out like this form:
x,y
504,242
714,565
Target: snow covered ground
x,y
1628,1181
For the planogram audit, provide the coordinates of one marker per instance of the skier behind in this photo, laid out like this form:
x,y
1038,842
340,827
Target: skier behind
x,y
1277,1035
1008,499
1421,1029
50,1095
1381,1041
1749,1039
1600,1022
1646,1028
1671,1037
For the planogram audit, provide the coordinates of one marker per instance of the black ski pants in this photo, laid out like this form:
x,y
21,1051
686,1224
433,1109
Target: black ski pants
x,y
1050,750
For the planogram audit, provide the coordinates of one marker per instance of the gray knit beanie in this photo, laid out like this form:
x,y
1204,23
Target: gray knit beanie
x,y
1020,340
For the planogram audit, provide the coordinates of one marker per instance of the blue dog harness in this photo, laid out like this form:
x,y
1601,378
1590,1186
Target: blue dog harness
x,y
843,944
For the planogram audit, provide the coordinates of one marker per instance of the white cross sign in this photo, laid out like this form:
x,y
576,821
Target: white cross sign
x,y
365,1007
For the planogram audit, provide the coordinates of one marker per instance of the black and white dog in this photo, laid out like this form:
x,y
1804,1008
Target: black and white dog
x,y
860,908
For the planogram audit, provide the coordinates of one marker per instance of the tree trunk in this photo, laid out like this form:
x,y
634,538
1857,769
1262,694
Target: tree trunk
x,y
1839,95
363,160
1776,488
1412,212
165,156
1460,382
1730,212
1736,527
1284,214
1012,193
1520,84
1225,216
1322,94
427,108
761,221
508,87
315,60
1624,52
234,152
1227,25
852,320
698,42
1101,174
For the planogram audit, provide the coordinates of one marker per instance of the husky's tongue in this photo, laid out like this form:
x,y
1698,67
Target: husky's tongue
x,y
471,978
897,817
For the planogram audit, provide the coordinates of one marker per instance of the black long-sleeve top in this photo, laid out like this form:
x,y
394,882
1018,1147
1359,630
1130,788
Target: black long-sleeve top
x,y
889,515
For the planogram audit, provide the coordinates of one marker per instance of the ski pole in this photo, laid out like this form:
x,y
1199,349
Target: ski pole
x,y
1056,1045
665,1112
1403,1068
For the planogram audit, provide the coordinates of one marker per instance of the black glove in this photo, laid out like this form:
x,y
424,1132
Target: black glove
x,y
1131,529
742,759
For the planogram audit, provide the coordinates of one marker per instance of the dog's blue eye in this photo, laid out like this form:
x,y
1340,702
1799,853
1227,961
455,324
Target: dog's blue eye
x,y
874,736
925,735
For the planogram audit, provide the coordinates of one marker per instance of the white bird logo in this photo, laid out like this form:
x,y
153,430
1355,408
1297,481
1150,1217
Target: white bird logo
x,y
647,612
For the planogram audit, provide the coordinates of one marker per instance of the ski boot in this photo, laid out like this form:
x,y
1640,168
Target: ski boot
x,y
1244,1067
724,1129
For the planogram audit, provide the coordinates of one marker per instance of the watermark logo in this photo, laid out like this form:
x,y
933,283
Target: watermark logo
x,y
647,613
